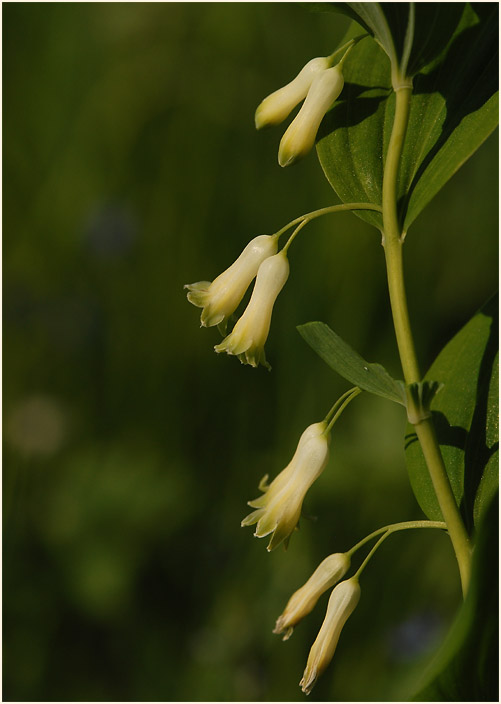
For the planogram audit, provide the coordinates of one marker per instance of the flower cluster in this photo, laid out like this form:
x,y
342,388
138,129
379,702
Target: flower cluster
x,y
220,298
247,339
342,602
319,85
277,511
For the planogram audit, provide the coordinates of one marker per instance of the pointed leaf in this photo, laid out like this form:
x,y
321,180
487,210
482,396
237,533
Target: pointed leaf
x,y
349,364
453,110
411,34
465,415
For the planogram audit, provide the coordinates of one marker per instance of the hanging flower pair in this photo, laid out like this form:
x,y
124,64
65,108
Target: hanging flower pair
x,y
342,602
222,297
319,84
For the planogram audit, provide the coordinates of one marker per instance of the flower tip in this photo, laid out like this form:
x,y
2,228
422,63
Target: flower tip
x,y
308,682
287,159
259,119
280,627
272,110
273,544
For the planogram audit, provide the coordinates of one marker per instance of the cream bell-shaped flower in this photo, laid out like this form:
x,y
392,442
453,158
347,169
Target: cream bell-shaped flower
x,y
249,335
275,108
221,297
329,571
342,603
300,136
279,508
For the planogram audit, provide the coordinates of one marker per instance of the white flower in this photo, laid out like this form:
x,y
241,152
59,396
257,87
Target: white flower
x,y
304,599
279,508
275,108
221,298
342,603
249,335
301,133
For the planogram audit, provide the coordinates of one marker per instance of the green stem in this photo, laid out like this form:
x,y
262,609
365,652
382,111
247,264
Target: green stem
x,y
336,405
346,47
292,237
392,241
371,553
393,528
387,531
308,217
459,537
354,393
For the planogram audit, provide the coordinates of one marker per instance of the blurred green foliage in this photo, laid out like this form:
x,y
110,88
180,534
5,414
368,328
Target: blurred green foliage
x,y
132,167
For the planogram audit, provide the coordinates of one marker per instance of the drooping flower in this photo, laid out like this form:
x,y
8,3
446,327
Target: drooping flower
x,y
342,603
279,508
300,136
304,599
275,108
249,335
221,298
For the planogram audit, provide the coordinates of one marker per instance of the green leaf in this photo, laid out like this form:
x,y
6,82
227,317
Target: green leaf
x,y
411,34
465,415
482,452
373,19
453,110
466,666
349,364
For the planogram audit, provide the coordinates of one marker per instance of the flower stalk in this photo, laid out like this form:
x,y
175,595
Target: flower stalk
x,y
350,395
393,528
308,217
386,532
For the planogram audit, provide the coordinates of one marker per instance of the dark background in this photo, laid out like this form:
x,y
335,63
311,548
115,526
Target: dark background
x,y
131,167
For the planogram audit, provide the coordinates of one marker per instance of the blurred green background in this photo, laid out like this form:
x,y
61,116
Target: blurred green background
x,y
132,167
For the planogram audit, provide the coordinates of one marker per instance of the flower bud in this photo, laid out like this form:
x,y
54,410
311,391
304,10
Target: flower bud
x,y
304,599
275,108
301,133
249,335
279,508
221,298
342,603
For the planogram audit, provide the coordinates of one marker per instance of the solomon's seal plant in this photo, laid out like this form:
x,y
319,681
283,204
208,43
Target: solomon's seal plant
x,y
430,72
